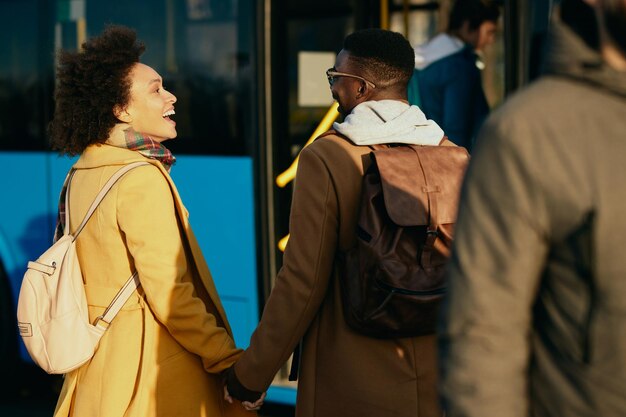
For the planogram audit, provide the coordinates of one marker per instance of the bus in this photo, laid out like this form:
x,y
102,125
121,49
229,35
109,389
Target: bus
x,y
249,78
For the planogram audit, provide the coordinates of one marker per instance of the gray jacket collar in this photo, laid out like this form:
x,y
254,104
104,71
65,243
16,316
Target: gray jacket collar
x,y
568,56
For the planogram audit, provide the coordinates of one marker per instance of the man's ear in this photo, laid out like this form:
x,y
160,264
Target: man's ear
x,y
121,114
364,90
360,92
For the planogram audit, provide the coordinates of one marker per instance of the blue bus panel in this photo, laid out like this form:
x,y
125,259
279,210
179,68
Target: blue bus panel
x,y
217,191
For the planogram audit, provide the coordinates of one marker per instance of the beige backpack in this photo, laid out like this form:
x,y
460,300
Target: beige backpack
x,y
52,313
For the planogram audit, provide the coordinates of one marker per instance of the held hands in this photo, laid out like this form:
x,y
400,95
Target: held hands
x,y
249,406
233,388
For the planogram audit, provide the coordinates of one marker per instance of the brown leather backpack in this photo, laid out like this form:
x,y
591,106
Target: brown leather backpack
x,y
392,281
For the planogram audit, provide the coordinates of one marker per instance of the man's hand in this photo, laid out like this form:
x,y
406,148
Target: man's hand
x,y
249,406
235,389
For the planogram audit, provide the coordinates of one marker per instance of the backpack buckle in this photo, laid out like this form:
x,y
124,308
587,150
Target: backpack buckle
x,y
101,319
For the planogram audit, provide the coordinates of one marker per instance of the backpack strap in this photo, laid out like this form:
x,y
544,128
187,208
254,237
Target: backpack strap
x,y
96,202
118,301
66,186
432,229
445,141
330,132
333,132
132,283
433,224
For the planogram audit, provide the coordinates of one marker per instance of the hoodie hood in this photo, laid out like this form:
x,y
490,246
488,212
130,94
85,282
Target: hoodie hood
x,y
439,47
389,121
569,56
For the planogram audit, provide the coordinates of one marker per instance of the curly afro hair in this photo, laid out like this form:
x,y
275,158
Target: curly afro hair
x,y
386,55
90,83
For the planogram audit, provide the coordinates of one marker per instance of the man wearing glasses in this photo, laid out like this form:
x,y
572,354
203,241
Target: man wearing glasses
x,y
343,373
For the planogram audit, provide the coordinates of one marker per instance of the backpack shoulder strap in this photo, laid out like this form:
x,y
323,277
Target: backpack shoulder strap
x,y
66,208
103,192
118,301
333,132
446,142
330,132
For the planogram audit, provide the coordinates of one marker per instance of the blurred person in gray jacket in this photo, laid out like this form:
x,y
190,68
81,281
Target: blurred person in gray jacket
x,y
535,320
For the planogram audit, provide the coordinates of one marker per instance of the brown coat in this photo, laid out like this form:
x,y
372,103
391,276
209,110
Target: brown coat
x,y
342,373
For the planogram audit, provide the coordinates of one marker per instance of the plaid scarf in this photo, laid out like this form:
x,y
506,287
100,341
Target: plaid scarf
x,y
134,141
148,147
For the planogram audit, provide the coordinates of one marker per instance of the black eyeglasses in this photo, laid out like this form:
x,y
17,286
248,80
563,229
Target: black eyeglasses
x,y
331,74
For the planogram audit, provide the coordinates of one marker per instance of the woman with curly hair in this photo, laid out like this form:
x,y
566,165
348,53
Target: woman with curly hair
x,y
164,353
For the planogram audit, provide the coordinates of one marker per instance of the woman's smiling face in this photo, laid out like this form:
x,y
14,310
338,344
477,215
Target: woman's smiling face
x,y
150,105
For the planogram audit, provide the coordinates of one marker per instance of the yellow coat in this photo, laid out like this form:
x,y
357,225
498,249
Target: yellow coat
x,y
163,353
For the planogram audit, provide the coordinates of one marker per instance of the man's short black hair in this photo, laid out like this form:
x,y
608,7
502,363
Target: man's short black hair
x,y
476,12
385,55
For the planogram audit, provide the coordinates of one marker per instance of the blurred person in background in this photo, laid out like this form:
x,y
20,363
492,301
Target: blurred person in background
x,y
447,81
535,319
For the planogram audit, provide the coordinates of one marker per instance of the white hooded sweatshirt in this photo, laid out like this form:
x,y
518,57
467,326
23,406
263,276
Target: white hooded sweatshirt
x,y
437,48
389,121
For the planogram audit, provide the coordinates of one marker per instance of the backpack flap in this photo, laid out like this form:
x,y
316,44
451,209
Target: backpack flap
x,y
410,173
393,279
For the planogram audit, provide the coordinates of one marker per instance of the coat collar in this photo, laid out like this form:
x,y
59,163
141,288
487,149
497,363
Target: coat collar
x,y
103,154
99,155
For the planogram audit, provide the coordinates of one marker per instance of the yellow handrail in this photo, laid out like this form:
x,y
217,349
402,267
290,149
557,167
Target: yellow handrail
x,y
289,174
384,14
282,244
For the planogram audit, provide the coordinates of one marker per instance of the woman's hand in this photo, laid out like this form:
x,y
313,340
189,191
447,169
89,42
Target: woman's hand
x,y
255,406
249,406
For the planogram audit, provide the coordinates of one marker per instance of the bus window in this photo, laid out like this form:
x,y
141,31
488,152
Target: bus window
x,y
204,57
25,77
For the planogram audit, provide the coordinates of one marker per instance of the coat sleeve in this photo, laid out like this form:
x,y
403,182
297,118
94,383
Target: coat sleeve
x,y
148,219
303,280
497,260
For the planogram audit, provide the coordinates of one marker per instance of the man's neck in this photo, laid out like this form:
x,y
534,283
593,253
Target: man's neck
x,y
388,95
